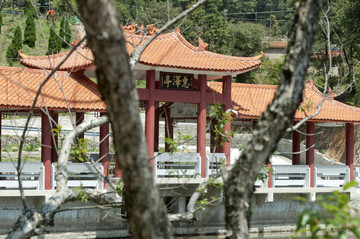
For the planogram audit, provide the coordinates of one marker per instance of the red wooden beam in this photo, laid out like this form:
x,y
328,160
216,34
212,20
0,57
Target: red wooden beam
x,y
104,148
350,149
79,118
54,141
295,147
150,113
0,132
227,105
201,124
169,129
46,148
310,131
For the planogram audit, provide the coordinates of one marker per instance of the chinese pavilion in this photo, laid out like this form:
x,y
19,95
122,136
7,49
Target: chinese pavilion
x,y
175,71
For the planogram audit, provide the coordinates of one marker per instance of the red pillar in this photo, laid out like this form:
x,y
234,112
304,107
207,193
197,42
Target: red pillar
x,y
0,132
118,173
104,147
269,166
214,146
150,114
156,133
46,148
79,119
169,128
201,124
295,147
227,105
310,130
350,149
54,140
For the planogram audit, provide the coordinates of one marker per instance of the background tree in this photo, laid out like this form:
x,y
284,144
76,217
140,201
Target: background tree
x,y
12,53
1,21
30,9
65,33
54,45
209,22
62,7
246,39
30,31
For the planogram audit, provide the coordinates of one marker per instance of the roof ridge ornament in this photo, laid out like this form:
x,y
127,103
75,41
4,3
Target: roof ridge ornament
x,y
134,28
202,45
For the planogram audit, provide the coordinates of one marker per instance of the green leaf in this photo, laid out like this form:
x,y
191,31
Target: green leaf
x,y
350,185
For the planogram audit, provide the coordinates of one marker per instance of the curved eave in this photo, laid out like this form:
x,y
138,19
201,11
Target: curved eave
x,y
51,61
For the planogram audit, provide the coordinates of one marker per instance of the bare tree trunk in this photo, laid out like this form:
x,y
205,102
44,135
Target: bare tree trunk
x,y
274,121
145,210
1,4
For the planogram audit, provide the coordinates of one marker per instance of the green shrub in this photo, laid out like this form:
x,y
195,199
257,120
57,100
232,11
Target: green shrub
x,y
13,49
65,33
30,32
30,9
54,45
1,21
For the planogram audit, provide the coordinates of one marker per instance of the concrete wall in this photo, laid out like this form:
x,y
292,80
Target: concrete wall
x,y
279,215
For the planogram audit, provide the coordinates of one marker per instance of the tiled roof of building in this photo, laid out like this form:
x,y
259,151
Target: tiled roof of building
x,y
18,87
80,59
253,99
173,51
169,50
276,44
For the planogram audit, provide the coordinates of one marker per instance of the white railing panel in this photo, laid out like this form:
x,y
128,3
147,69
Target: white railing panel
x,y
81,175
33,175
177,165
291,176
214,161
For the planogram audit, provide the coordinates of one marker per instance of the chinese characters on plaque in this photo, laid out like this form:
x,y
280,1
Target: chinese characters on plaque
x,y
176,81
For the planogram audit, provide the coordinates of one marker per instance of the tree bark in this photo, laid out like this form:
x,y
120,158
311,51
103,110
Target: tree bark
x,y
145,210
273,122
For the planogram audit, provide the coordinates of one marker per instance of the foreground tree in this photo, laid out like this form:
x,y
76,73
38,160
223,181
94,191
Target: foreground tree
x,y
274,121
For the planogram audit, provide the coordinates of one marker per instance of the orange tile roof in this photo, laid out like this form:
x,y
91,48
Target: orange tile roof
x,y
18,87
80,59
173,51
254,99
169,50
276,44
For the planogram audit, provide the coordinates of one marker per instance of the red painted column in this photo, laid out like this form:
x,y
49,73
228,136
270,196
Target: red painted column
x,y
169,128
0,132
269,166
310,130
213,143
156,133
104,147
46,148
79,119
118,173
54,140
227,105
150,114
295,147
201,124
350,149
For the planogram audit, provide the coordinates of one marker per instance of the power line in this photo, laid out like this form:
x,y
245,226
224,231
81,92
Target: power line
x,y
263,12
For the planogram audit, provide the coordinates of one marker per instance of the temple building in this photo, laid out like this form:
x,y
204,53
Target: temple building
x,y
176,72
